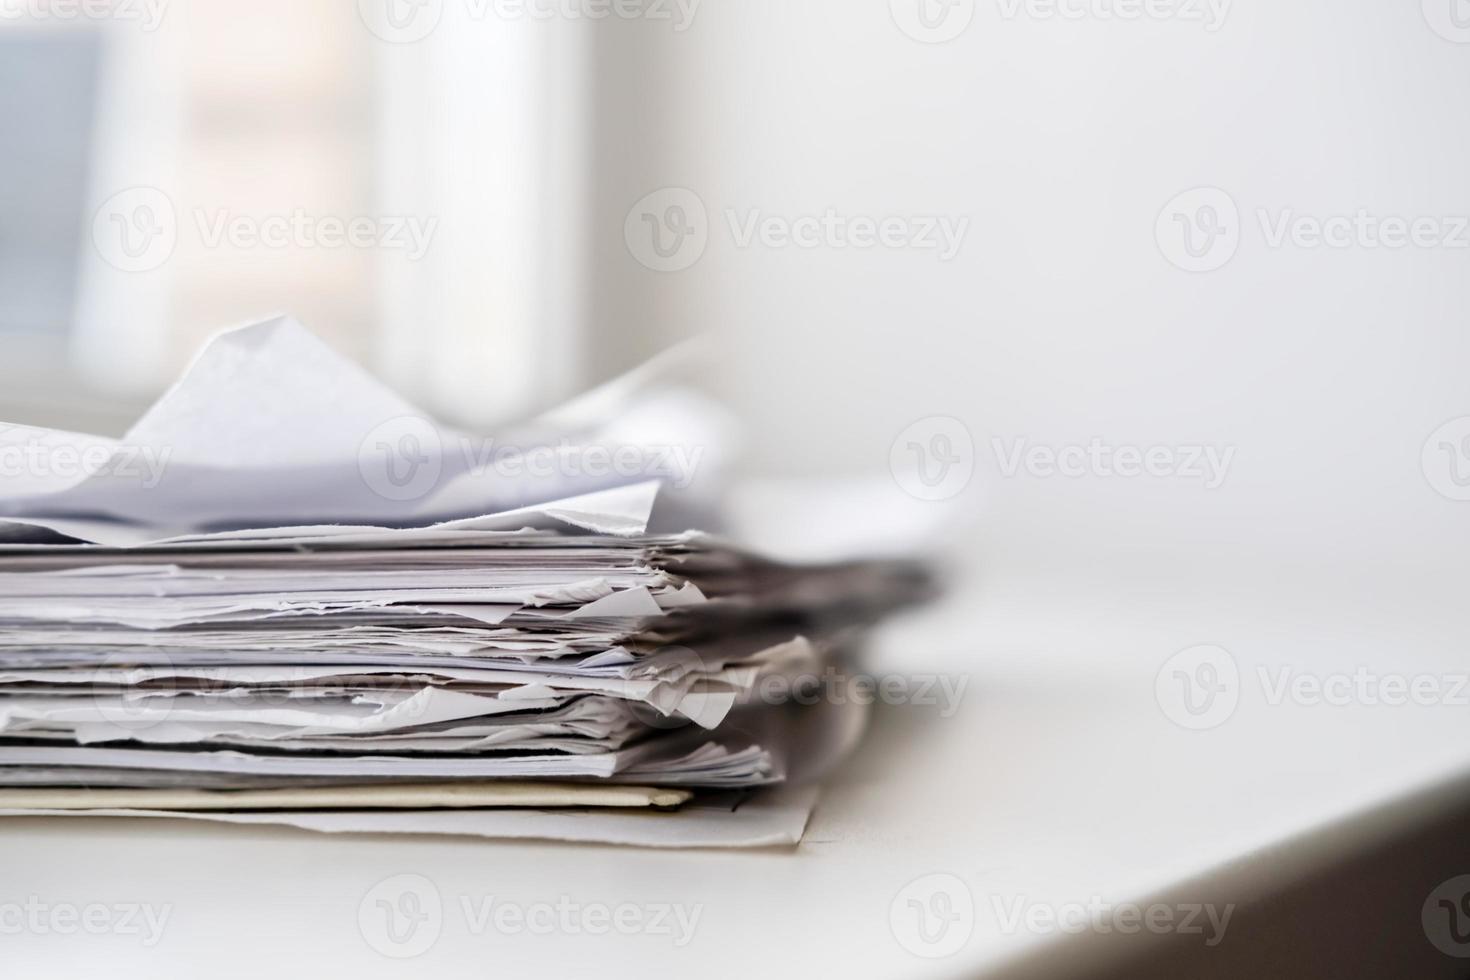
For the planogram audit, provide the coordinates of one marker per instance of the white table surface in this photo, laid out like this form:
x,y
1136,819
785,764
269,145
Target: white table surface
x,y
1059,780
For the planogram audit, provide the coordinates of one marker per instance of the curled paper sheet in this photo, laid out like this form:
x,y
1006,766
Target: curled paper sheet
x,y
270,428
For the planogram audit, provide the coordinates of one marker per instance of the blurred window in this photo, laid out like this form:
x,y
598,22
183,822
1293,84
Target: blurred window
x,y
48,82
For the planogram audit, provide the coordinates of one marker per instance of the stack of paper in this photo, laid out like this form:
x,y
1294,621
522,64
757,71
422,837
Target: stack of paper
x,y
287,595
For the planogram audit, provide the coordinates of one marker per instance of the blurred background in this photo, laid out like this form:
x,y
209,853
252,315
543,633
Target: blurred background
x,y
1154,309
882,213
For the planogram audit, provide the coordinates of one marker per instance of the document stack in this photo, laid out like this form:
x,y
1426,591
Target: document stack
x,y
288,596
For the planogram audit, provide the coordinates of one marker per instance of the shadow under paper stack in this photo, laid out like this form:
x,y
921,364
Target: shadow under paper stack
x,y
286,596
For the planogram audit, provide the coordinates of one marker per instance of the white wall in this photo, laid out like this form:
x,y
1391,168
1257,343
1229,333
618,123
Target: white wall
x,y
1061,318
